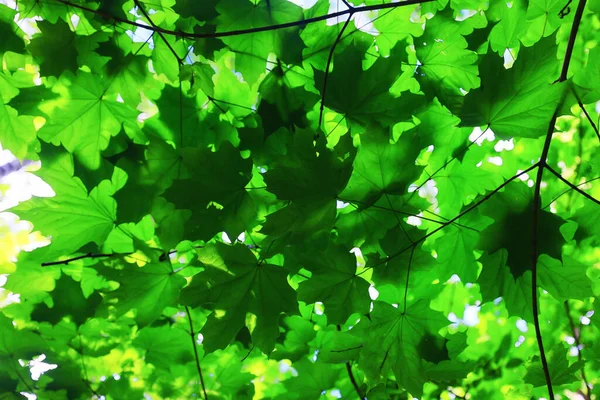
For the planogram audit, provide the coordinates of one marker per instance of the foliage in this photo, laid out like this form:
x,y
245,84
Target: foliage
x,y
249,199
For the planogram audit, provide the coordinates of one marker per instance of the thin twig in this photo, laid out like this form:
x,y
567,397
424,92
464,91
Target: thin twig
x,y
412,252
354,202
588,116
193,336
237,32
327,66
571,186
576,336
351,374
88,255
568,190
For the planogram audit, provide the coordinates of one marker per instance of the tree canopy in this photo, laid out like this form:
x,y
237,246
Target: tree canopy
x,y
299,199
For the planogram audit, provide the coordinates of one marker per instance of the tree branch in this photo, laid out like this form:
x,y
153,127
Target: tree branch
x,y
571,186
88,255
292,24
193,336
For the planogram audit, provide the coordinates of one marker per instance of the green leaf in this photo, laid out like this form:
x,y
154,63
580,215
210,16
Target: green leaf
x,y
371,179
148,290
514,207
234,283
253,50
84,119
72,218
71,302
566,280
164,345
335,283
52,48
560,371
18,131
392,343
368,98
444,64
518,102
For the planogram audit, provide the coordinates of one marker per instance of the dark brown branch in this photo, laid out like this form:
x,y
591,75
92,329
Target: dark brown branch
x,y
193,336
461,152
327,66
571,186
292,24
537,199
576,336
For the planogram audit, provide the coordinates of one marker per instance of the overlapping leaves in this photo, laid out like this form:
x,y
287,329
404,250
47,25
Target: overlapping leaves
x,y
209,239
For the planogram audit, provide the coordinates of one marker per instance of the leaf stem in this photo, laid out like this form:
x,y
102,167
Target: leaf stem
x,y
193,336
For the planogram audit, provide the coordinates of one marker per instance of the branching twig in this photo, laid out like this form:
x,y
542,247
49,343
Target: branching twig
x,y
193,336
571,186
588,116
354,202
